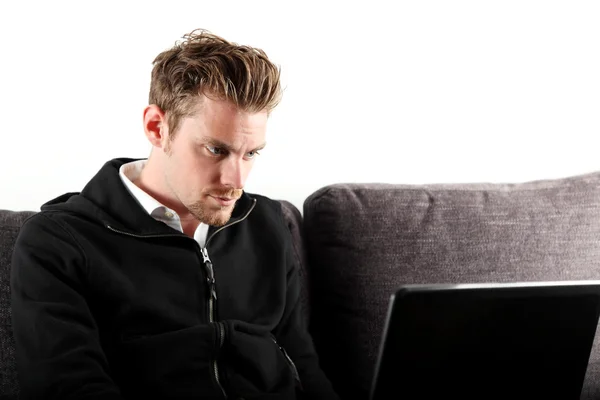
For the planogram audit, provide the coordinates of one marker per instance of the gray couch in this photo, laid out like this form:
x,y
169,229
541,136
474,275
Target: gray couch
x,y
358,242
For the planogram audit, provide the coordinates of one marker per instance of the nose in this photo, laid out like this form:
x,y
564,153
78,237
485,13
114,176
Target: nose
x,y
233,173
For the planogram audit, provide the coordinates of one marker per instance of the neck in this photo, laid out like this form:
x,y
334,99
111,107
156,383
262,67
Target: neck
x,y
151,181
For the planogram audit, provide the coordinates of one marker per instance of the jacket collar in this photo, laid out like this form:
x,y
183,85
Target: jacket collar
x,y
106,199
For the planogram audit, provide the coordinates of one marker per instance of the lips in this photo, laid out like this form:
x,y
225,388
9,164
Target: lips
x,y
224,201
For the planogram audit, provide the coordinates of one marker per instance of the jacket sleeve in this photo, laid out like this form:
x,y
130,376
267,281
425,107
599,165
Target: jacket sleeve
x,y
292,333
58,348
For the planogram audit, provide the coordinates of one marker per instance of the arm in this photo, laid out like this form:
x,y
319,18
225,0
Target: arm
x,y
58,348
293,335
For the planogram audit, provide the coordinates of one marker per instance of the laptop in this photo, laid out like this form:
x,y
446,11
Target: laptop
x,y
487,341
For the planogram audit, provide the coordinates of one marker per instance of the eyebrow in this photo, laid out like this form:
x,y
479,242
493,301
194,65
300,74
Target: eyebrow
x,y
225,146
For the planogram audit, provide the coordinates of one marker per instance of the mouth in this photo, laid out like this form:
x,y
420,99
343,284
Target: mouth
x,y
224,201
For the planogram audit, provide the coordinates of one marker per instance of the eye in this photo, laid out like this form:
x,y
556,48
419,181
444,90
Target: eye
x,y
216,151
251,154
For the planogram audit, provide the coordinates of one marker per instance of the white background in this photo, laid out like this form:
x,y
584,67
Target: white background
x,y
398,92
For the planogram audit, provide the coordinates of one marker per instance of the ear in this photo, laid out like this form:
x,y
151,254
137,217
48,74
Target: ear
x,y
155,126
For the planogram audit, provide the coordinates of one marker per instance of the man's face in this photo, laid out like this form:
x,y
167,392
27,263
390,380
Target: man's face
x,y
210,157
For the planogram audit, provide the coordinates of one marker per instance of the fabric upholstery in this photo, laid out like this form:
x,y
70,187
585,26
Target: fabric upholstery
x,y
293,220
364,240
10,222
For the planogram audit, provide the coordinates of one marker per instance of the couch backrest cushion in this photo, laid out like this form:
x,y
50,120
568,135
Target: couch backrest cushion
x,y
364,240
10,223
293,220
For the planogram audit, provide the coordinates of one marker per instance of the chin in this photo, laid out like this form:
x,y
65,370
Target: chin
x,y
220,217
210,214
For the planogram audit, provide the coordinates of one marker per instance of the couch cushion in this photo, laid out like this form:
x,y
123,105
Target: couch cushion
x,y
293,220
364,240
10,222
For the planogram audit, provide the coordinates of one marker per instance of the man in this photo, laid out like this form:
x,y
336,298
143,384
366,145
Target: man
x,y
163,278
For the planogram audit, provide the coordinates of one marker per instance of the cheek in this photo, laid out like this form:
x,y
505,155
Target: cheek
x,y
186,172
201,177
248,168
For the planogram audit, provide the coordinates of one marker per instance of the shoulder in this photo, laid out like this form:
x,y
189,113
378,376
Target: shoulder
x,y
269,213
266,204
45,242
46,229
42,222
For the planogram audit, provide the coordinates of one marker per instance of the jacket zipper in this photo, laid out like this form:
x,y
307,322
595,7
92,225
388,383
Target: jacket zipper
x,y
212,299
289,361
210,280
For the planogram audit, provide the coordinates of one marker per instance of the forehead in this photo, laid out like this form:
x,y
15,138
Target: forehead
x,y
222,120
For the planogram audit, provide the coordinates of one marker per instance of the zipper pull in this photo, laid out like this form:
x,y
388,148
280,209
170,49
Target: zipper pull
x,y
205,257
210,273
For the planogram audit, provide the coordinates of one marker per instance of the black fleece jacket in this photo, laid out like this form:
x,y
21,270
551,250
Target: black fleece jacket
x,y
109,303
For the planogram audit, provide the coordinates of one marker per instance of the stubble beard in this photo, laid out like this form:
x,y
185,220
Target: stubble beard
x,y
213,215
210,215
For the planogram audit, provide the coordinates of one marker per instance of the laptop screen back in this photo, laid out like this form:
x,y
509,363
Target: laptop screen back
x,y
487,342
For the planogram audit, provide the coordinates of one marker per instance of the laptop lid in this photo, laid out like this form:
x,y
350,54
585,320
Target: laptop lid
x,y
487,341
